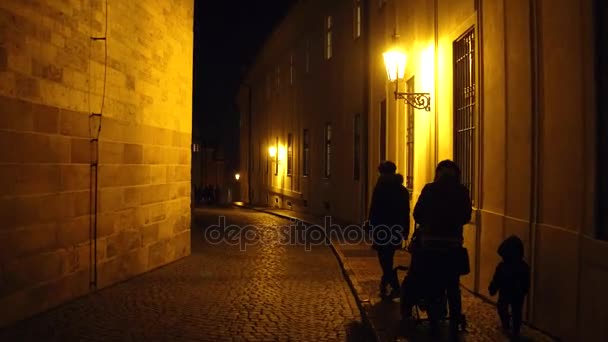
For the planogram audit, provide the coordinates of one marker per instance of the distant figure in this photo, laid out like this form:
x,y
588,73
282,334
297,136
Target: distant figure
x,y
443,208
511,281
389,216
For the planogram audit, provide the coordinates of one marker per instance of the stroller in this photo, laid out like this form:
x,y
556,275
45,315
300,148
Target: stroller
x,y
421,289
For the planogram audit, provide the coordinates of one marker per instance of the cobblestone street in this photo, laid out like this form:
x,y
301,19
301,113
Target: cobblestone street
x,y
219,293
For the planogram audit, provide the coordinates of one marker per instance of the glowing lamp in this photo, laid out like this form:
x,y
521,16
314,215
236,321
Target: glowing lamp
x,y
272,152
237,176
395,61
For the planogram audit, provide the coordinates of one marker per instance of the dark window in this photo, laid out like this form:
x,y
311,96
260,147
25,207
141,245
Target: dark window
x,y
409,140
291,69
601,40
307,57
306,153
357,19
464,108
289,154
357,147
383,130
327,150
329,26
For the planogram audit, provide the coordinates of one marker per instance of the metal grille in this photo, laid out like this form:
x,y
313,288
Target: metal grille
x,y
357,147
383,130
409,141
327,150
464,107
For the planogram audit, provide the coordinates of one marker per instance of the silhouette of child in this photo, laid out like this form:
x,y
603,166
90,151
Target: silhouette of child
x,y
511,281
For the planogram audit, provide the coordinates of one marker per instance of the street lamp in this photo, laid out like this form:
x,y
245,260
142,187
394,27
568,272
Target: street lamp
x,y
395,61
237,176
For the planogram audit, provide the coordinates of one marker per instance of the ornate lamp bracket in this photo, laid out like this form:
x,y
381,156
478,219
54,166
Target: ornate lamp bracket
x,y
416,100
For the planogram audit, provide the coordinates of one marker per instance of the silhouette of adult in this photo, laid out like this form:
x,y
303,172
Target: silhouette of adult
x,y
443,208
389,217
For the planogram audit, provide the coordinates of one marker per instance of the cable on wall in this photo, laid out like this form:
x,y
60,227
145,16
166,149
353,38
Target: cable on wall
x,y
95,121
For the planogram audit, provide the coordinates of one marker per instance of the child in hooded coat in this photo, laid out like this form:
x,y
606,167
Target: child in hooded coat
x,y
511,281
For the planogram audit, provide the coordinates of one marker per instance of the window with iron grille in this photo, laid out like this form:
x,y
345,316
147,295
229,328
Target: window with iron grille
x,y
409,140
601,37
382,130
306,153
464,107
289,154
329,25
327,150
357,147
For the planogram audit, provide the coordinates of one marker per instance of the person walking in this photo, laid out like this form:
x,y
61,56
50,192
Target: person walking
x,y
512,282
443,208
389,218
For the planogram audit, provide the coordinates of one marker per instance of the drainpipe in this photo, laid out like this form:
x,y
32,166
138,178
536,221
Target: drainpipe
x,y
249,142
535,147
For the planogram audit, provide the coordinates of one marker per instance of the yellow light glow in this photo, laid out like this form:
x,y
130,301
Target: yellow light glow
x,y
272,151
427,69
237,176
395,61
282,153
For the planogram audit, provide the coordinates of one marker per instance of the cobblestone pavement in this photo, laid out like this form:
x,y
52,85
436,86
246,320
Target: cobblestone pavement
x,y
362,266
269,292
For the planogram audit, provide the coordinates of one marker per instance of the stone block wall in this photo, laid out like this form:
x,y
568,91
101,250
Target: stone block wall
x,y
51,79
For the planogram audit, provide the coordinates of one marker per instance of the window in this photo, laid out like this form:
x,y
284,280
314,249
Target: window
x,y
329,25
409,140
276,158
289,154
601,36
357,19
268,86
291,69
382,141
357,147
306,153
307,57
464,108
327,150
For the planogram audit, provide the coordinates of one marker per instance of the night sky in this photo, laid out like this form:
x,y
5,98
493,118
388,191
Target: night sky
x,y
228,35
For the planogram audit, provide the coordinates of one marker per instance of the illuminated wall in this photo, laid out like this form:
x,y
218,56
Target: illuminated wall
x,y
534,139
322,91
51,79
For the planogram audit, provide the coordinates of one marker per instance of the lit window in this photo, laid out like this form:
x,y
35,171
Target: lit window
x,y
357,19
329,24
289,154
306,153
276,158
327,150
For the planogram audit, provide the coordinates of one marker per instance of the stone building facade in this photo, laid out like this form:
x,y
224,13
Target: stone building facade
x,y
516,90
53,76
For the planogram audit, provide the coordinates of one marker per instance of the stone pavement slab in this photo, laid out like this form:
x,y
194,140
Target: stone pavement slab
x,y
361,266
